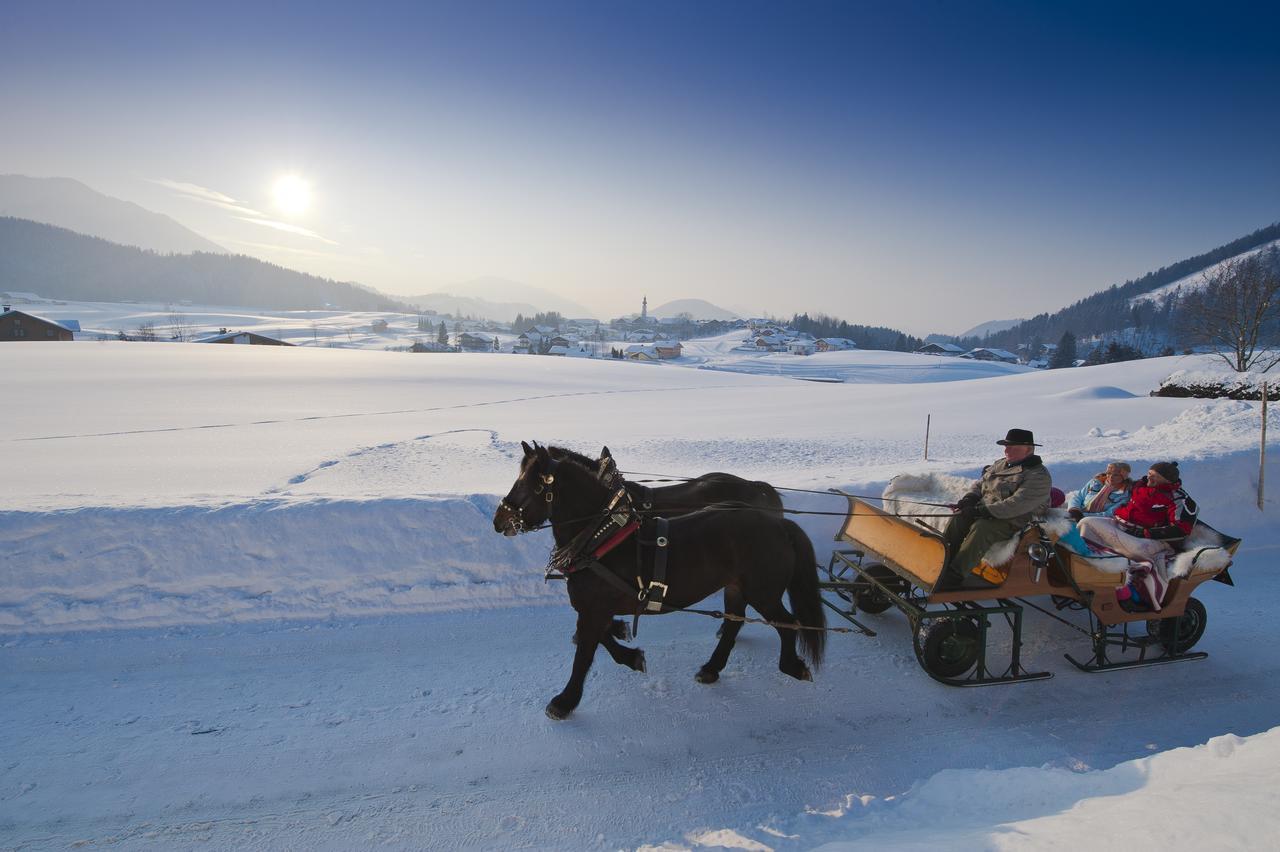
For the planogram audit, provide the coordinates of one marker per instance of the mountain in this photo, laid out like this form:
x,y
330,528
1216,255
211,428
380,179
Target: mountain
x,y
465,306
502,292
696,308
990,328
60,264
70,204
1147,304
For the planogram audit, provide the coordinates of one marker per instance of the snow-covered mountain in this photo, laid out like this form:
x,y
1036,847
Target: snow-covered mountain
x,y
499,299
70,204
699,309
990,327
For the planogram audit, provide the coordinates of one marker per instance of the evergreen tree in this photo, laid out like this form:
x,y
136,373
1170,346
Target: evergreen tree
x,y
442,336
1065,356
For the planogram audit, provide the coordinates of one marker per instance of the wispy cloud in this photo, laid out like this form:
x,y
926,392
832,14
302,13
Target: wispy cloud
x,y
195,192
304,252
287,228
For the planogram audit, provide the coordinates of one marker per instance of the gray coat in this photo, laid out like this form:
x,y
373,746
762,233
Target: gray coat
x,y
1015,492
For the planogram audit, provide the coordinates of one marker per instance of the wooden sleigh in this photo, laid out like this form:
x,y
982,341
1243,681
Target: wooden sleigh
x,y
897,562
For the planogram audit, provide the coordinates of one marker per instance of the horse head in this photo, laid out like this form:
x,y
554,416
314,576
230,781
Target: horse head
x,y
528,504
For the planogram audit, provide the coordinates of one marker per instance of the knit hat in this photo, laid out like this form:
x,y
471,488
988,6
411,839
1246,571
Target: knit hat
x,y
1169,470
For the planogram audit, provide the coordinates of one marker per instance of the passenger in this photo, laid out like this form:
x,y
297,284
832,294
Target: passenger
x,y
1153,523
1010,493
1103,494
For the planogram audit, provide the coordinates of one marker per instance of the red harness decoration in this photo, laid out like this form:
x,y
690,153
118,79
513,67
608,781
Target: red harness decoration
x,y
616,539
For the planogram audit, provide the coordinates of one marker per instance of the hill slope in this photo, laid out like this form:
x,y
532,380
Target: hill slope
x,y
57,263
70,204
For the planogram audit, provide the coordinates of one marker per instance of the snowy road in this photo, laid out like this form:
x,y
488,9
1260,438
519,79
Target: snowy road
x,y
428,730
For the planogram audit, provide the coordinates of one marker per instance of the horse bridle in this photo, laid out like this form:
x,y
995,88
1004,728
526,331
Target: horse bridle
x,y
542,488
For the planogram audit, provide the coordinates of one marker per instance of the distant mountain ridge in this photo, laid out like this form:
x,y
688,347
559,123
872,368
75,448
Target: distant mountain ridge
x,y
69,204
991,327
58,263
495,293
699,309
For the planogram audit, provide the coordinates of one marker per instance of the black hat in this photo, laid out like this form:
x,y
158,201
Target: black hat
x,y
1019,437
1169,470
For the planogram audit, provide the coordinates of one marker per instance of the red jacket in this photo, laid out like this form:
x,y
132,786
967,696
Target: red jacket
x,y
1165,510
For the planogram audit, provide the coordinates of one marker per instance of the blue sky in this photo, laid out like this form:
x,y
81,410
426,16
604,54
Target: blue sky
x,y
922,165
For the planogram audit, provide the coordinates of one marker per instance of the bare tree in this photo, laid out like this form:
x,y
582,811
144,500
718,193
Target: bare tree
x,y
146,331
179,327
1236,310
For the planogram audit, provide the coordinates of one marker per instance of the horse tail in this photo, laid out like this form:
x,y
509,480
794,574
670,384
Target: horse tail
x,y
806,598
769,496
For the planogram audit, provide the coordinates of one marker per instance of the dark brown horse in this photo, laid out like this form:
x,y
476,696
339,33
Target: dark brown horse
x,y
753,554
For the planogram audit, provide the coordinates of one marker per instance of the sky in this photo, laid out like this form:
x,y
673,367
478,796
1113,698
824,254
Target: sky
x,y
922,165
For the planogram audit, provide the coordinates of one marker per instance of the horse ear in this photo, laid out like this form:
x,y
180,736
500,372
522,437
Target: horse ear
x,y
528,450
544,455
605,454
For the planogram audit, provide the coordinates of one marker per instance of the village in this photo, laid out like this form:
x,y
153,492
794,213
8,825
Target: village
x,y
636,337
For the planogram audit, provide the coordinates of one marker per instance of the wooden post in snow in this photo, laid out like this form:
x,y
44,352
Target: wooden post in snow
x,y
929,417
1262,448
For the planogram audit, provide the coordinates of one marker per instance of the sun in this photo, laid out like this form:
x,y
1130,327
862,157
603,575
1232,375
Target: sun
x,y
292,195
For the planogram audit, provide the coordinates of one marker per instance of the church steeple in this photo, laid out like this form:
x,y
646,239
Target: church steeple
x,y
644,308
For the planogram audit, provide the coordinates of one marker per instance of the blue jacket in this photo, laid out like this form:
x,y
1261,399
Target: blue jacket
x,y
1083,497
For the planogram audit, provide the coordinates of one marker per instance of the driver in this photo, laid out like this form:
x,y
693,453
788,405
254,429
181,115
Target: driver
x,y
1009,494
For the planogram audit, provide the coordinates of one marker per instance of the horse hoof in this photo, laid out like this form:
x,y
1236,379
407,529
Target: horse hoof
x,y
555,713
706,676
806,675
638,663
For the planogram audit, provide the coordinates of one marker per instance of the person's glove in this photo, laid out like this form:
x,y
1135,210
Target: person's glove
x,y
968,500
981,511
1165,533
1075,514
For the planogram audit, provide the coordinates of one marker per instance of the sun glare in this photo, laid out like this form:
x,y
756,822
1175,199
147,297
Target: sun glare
x,y
292,195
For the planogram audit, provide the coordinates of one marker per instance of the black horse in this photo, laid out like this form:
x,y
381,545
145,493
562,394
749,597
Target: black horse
x,y
753,554
665,501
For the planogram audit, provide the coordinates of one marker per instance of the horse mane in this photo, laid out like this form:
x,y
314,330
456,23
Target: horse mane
x,y
565,454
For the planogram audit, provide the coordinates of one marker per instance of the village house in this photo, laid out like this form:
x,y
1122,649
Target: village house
x,y
834,344
800,346
243,337
22,326
940,349
642,352
469,342
667,349
985,354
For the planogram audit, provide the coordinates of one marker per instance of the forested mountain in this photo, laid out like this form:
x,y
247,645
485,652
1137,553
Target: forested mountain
x,y
1109,312
68,203
865,336
61,264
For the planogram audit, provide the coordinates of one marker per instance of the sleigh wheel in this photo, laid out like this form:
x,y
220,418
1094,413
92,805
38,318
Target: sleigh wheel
x,y
1182,632
867,597
948,647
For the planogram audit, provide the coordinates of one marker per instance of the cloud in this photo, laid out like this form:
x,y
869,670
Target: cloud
x,y
195,192
275,247
287,228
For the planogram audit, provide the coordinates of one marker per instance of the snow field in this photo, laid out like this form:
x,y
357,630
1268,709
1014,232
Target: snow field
x,y
252,599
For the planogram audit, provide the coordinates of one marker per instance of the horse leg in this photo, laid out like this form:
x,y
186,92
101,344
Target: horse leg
x,y
728,633
632,658
591,628
789,661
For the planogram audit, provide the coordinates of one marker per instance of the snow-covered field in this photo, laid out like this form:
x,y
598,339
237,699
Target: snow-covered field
x,y
251,597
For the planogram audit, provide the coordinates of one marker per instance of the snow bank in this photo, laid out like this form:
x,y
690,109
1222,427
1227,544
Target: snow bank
x,y
146,567
1222,793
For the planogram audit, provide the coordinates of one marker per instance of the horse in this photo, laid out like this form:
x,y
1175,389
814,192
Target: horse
x,y
753,554
678,499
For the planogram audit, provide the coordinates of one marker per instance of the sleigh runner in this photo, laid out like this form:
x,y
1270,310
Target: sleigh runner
x,y
896,562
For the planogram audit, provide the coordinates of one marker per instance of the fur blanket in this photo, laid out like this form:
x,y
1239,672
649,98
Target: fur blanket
x,y
1206,547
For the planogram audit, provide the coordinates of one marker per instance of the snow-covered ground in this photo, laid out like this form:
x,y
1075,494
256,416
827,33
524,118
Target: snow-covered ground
x,y
251,597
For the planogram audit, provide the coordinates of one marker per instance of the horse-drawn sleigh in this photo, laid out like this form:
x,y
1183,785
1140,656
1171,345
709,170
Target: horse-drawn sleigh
x,y
627,550
898,562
